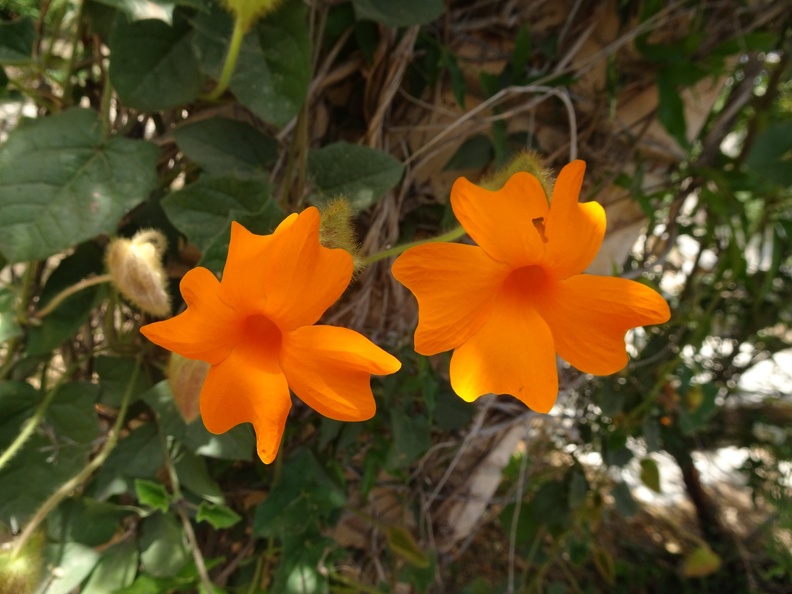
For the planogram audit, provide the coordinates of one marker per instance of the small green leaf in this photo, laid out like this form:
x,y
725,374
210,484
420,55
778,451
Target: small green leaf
x,y
114,374
701,562
650,475
410,441
16,41
61,183
361,174
17,401
152,494
402,542
219,516
138,455
222,146
403,13
771,154
154,66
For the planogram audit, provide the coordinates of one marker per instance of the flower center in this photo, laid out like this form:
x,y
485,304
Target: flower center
x,y
261,337
526,283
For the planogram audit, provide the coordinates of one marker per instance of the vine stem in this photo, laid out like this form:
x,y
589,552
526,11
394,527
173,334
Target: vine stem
x,y
451,235
28,429
230,61
69,291
66,488
178,505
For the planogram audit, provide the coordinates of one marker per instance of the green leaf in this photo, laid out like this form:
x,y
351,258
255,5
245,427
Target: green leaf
x,y
16,41
116,569
274,65
195,477
650,475
17,401
85,520
9,327
41,469
671,111
152,494
73,312
298,571
625,504
219,516
203,211
236,444
69,564
771,154
701,562
154,66
114,375
304,497
475,153
61,183
401,541
72,412
361,174
138,455
221,146
162,545
410,439
403,13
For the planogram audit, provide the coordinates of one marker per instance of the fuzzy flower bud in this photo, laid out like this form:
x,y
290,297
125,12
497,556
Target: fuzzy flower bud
x,y
19,573
527,161
248,11
136,268
336,229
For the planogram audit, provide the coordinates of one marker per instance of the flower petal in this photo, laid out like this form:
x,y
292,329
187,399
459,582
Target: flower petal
x,y
455,286
288,276
207,330
503,223
574,230
330,369
589,315
512,353
247,389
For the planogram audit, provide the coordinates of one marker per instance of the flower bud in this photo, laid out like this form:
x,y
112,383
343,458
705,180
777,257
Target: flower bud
x,y
248,11
186,378
528,161
136,268
336,229
19,573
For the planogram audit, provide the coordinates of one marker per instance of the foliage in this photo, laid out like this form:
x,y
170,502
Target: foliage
x,y
119,116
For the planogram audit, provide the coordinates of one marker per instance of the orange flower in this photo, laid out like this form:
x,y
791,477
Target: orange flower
x,y
508,305
255,328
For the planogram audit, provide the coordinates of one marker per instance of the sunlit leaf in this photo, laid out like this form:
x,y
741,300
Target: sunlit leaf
x,y
61,183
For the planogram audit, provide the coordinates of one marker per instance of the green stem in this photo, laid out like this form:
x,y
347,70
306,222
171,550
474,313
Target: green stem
x,y
28,428
69,291
178,504
69,486
231,60
452,235
107,96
